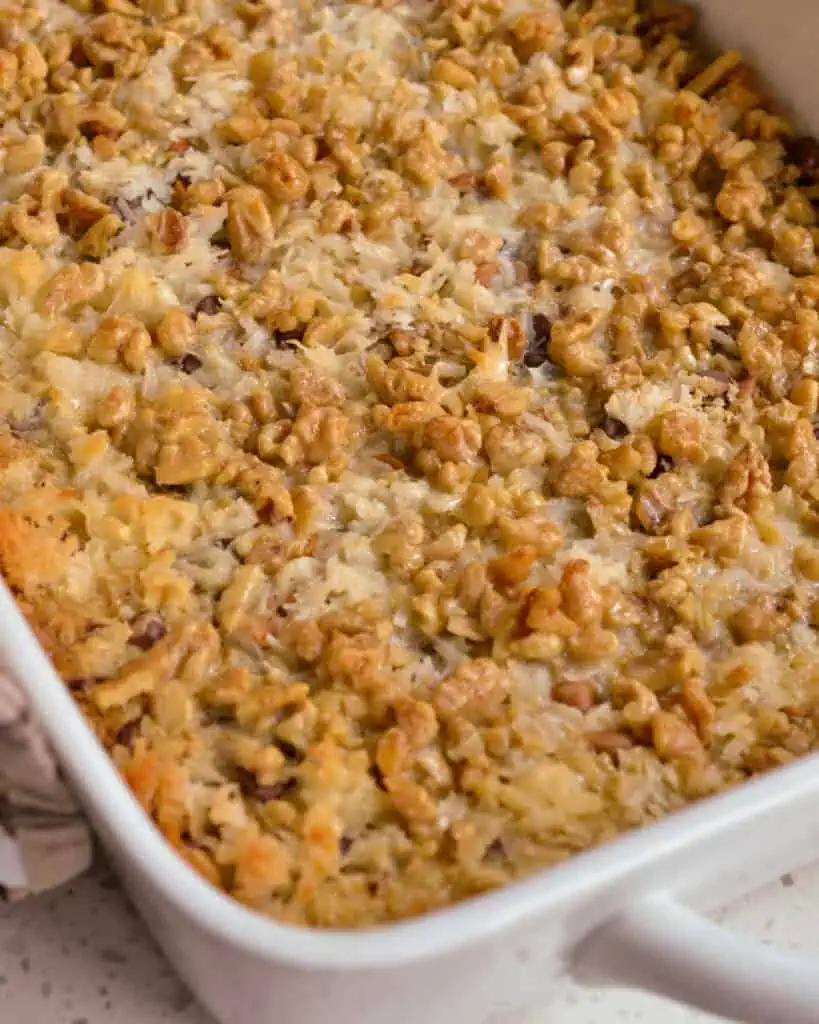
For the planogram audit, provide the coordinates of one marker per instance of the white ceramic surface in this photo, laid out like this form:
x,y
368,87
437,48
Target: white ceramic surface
x,y
80,956
495,958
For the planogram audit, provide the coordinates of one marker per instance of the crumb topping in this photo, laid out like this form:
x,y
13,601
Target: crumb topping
x,y
408,415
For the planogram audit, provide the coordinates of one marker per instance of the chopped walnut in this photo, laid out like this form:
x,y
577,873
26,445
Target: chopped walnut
x,y
758,620
73,284
283,178
681,437
249,225
673,739
121,339
580,600
511,447
474,690
453,439
576,693
579,474
168,231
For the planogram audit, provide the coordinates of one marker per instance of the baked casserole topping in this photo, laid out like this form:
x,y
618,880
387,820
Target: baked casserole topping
x,y
407,426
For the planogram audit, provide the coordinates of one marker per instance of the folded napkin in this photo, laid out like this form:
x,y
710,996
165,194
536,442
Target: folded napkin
x,y
44,840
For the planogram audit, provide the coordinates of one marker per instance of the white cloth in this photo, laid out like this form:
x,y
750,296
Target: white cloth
x,y
44,840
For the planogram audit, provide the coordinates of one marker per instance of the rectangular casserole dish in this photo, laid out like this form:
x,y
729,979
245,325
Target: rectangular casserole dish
x,y
610,915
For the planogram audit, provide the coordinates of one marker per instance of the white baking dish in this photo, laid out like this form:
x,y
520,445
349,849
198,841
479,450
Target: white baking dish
x,y
619,914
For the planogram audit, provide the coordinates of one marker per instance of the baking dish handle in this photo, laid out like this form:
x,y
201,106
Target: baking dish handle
x,y
661,946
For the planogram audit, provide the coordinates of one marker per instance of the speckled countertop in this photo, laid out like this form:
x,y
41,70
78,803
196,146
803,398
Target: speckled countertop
x,y
80,956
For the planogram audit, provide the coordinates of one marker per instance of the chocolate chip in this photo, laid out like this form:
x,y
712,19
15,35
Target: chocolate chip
x,y
127,734
804,153
708,175
253,790
189,363
537,348
718,375
279,790
209,306
221,715
246,781
123,209
345,844
664,463
81,683
482,190
495,849
147,631
614,428
285,339
290,750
